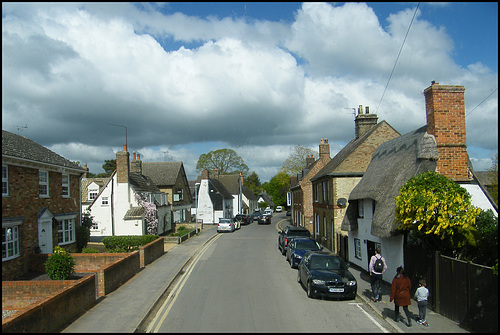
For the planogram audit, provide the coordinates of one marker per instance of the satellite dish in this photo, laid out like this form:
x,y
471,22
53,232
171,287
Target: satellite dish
x,y
341,202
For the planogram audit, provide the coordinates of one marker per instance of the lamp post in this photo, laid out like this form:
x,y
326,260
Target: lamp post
x,y
196,191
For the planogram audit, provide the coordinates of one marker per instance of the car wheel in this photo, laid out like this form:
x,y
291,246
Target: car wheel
x,y
309,290
283,251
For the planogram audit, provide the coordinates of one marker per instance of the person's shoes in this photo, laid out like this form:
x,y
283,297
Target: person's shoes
x,y
420,321
409,323
424,322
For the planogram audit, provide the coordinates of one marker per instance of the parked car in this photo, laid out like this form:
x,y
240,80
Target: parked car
x,y
289,232
268,212
325,274
264,219
225,225
243,218
255,215
279,209
298,247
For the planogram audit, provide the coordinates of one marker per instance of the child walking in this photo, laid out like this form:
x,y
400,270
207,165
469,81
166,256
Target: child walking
x,y
421,295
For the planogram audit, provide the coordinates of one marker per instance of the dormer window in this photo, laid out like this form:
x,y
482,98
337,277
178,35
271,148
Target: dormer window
x,y
92,193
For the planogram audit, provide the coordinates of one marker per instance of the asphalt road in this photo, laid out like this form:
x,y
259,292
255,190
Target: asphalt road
x,y
240,282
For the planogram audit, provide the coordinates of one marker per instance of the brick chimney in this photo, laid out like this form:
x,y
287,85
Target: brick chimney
x,y
445,109
364,122
309,161
324,150
204,174
86,170
122,165
136,164
215,173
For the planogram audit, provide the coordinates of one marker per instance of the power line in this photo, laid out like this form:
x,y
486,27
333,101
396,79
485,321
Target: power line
x,y
496,89
414,14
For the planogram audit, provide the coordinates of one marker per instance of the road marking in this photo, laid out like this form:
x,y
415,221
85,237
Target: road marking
x,y
172,296
371,318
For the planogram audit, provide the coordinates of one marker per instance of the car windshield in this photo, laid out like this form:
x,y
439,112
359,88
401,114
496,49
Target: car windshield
x,y
299,232
224,221
326,263
306,245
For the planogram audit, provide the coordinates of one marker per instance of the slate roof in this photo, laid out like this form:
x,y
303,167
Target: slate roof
x,y
142,183
392,164
231,183
18,146
162,173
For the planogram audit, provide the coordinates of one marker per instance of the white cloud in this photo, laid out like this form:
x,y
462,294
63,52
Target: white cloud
x,y
258,87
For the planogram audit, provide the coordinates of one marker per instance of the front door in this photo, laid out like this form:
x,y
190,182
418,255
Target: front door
x,y
45,236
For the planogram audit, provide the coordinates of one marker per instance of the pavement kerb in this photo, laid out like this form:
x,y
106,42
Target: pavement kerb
x,y
157,304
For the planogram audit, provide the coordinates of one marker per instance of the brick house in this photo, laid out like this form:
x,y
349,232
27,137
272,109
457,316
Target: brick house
x,y
302,192
438,146
113,205
40,203
170,178
335,181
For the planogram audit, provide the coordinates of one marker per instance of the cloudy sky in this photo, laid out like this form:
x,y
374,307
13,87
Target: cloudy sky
x,y
259,78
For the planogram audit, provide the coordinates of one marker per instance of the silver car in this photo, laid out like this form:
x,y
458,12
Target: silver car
x,y
225,225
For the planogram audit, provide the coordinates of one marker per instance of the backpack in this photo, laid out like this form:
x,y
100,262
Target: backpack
x,y
379,265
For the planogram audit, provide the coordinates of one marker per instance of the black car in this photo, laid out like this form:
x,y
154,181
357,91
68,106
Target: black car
x,y
298,247
288,233
243,218
264,219
255,215
325,274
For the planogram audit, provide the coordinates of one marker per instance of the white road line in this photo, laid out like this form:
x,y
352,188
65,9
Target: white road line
x,y
371,318
172,296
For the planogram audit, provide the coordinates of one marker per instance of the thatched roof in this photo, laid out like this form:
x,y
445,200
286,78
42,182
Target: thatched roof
x,y
393,164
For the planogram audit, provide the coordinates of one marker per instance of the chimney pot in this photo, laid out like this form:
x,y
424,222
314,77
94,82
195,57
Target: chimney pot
x,y
134,156
124,148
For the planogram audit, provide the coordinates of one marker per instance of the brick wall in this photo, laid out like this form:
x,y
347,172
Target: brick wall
x,y
445,109
57,304
122,165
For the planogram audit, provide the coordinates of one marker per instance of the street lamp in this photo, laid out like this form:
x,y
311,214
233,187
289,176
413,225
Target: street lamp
x,y
196,191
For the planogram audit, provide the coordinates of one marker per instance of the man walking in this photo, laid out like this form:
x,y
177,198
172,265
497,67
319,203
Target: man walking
x,y
377,269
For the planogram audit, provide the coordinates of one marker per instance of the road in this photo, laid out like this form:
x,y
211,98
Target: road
x,y
240,282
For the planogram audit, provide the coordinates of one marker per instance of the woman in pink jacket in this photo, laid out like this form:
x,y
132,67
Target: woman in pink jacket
x,y
400,293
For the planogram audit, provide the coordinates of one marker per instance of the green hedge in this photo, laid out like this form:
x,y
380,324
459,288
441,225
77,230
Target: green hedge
x,y
127,243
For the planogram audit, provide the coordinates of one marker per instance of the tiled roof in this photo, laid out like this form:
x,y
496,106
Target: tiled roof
x,y
162,173
21,147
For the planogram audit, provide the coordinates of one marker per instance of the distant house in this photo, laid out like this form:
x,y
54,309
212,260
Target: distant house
x,y
40,203
170,178
213,200
265,198
302,190
439,146
332,185
115,208
244,200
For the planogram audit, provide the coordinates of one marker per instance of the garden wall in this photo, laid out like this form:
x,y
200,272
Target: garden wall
x,y
46,306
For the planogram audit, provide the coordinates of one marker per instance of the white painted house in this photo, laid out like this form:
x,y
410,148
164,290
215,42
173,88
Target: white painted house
x,y
213,200
438,146
113,204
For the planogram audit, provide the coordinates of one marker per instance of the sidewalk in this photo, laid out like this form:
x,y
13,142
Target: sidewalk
x,y
123,310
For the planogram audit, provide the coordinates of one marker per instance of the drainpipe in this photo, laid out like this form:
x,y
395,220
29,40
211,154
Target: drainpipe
x,y
112,208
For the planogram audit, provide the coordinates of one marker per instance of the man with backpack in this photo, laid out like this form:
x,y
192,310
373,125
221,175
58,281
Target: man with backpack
x,y
377,269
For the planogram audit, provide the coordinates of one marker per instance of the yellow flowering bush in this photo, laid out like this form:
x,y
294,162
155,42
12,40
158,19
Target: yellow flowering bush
x,y
434,205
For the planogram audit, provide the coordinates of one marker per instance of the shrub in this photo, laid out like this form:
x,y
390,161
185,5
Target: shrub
x,y
127,243
89,251
60,265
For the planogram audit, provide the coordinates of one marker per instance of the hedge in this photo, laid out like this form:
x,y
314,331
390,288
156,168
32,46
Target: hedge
x,y
127,243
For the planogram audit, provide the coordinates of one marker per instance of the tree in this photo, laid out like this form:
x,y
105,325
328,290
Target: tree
x,y
297,161
278,187
253,183
109,166
226,161
485,252
437,210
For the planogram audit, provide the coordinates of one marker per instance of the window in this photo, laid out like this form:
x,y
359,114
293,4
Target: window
x,y
43,184
104,201
93,193
5,180
357,248
66,230
65,185
361,209
10,241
